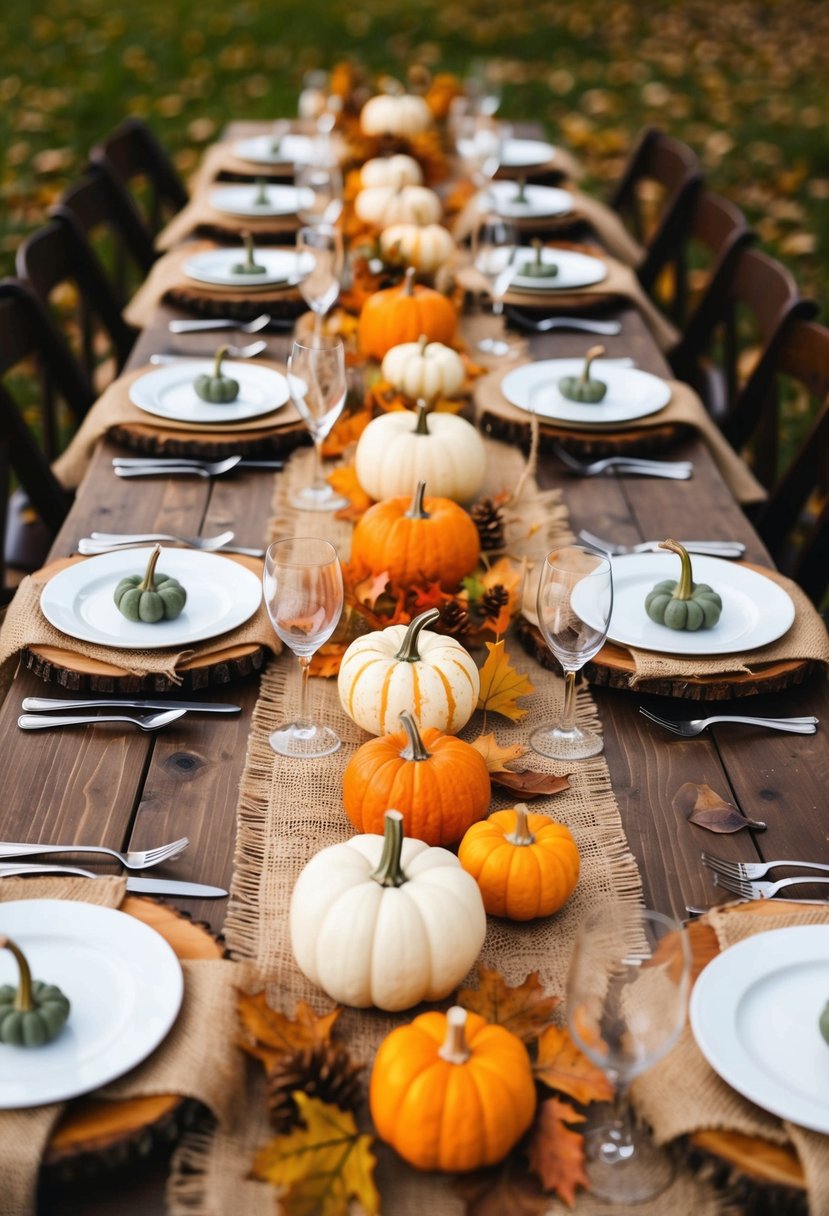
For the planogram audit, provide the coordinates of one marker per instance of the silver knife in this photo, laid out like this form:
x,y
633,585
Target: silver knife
x,y
44,704
139,886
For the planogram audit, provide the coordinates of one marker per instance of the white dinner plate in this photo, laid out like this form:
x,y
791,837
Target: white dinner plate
x,y
754,1014
168,392
538,200
283,268
756,610
574,270
521,153
221,595
124,985
242,200
631,393
264,150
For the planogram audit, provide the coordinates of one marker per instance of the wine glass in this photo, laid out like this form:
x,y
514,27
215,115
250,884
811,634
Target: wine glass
x,y
574,603
483,88
496,245
627,992
317,382
320,189
480,143
303,587
323,247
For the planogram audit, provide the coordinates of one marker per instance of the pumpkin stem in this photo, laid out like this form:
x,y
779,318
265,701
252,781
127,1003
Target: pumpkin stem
x,y
594,353
521,196
389,872
23,1001
455,1049
408,652
537,246
421,428
685,586
521,834
407,286
417,510
217,362
148,581
417,748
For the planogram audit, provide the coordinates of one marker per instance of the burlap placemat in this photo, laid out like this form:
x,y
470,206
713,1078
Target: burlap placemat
x,y
221,159
25,626
205,1029
200,214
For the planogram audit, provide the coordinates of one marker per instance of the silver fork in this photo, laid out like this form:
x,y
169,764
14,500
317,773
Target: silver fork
x,y
677,470
710,548
694,726
235,352
100,542
207,468
762,890
146,722
544,324
754,869
133,859
244,327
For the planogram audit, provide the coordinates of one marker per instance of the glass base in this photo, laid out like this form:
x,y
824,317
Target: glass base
x,y
304,741
558,744
494,346
321,498
625,1172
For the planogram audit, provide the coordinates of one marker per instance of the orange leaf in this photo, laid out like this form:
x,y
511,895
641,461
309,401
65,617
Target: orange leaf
x,y
556,1153
530,784
430,596
524,1009
271,1034
369,589
344,481
501,684
495,755
326,661
346,430
561,1065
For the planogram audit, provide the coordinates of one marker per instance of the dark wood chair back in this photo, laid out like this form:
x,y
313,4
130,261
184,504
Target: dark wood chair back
x,y
134,157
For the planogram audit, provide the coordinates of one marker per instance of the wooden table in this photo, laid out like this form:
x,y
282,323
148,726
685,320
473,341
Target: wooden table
x,y
127,789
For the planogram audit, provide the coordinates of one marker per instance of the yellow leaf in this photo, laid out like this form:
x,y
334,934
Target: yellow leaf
x,y
501,684
495,755
562,1066
320,1167
271,1034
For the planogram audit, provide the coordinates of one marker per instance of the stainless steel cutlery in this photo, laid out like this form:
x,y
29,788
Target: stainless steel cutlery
x,y
234,352
138,886
676,470
145,462
695,726
763,890
111,542
708,548
148,722
133,859
204,468
543,325
741,870
47,704
244,327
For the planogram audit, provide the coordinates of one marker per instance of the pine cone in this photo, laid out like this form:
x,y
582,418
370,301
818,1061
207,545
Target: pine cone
x,y
325,1072
493,601
489,521
454,618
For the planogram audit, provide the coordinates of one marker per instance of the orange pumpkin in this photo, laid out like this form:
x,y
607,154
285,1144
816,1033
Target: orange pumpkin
x,y
416,541
402,314
439,784
451,1091
525,865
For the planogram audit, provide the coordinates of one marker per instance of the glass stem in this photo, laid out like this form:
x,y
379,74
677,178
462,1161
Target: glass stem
x,y
317,324
304,667
568,713
497,307
319,471
622,1120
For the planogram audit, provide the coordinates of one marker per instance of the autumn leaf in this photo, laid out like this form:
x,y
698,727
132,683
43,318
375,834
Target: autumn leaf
x,y
562,1066
523,1009
369,589
320,1167
344,481
701,805
271,1034
326,661
556,1153
430,596
507,1191
495,755
501,684
531,784
347,430
507,574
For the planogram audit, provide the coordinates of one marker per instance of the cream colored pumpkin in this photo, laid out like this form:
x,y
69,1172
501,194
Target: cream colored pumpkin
x,y
408,667
386,921
395,171
402,114
427,247
396,451
424,369
385,205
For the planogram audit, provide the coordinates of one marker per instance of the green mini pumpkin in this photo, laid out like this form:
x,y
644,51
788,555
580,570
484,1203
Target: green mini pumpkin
x,y
682,603
151,598
250,264
32,1013
538,268
261,199
823,1023
216,388
583,388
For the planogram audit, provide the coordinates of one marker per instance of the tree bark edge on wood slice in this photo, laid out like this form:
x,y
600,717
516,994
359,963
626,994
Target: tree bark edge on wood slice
x,y
636,441
198,445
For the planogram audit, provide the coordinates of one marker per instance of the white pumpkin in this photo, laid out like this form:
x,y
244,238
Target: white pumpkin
x,y
365,940
424,369
412,668
395,171
427,247
403,114
395,452
385,205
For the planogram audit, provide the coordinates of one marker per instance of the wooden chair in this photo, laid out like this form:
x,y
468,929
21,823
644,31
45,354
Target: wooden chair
x,y
133,157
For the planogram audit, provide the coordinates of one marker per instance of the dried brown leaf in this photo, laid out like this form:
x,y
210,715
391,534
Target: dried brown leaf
x,y
508,1190
562,1066
556,1152
270,1034
524,1009
701,805
529,783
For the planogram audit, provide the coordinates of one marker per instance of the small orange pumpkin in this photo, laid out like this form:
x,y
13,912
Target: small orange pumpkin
x,y
416,541
451,1091
439,783
402,314
526,865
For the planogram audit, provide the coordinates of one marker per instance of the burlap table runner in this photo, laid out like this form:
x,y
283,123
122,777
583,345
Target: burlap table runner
x,y
25,625
204,1030
200,214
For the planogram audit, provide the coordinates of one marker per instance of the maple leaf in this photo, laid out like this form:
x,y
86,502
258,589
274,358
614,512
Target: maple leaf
x,y
430,596
369,589
346,430
531,784
344,481
495,755
561,1065
556,1153
523,1009
321,1166
326,661
271,1034
501,684
506,1191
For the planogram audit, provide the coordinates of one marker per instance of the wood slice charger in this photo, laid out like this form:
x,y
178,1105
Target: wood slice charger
x,y
96,1134
631,441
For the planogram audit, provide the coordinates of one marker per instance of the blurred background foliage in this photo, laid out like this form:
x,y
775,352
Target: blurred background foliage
x,y
744,82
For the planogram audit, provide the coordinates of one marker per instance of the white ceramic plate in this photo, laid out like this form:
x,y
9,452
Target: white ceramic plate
x,y
290,150
283,268
168,392
756,610
241,200
124,984
519,153
631,393
754,1014
221,594
574,270
538,200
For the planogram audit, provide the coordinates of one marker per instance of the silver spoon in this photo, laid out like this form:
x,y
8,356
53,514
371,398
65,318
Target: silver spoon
x,y
235,352
144,722
244,327
210,468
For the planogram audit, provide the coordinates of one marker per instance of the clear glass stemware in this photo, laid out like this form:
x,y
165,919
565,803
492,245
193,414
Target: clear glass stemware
x,y
495,249
318,386
303,588
320,187
323,247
